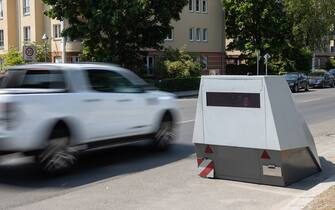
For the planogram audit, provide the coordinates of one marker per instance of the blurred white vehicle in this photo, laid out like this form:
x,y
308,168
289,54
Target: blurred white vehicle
x,y
54,111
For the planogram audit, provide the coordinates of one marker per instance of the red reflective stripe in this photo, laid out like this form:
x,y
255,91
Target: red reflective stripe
x,y
199,161
207,170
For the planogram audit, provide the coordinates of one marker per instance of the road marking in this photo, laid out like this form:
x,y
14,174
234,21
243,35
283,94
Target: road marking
x,y
186,122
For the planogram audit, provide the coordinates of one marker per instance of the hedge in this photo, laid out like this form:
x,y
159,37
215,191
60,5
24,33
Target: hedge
x,y
178,84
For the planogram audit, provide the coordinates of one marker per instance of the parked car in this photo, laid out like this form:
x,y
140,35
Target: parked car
x,y
320,78
297,81
332,72
55,111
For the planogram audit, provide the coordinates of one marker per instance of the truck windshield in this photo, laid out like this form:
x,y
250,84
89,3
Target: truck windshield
x,y
39,79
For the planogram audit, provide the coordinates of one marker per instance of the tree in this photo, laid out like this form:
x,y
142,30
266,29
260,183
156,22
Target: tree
x,y
40,52
256,24
177,63
311,21
114,30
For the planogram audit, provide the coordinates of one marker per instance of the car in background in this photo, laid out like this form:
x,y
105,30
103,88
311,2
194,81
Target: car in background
x,y
332,72
320,79
297,81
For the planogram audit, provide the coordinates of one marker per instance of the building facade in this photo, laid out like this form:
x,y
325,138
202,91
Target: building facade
x,y
200,31
22,22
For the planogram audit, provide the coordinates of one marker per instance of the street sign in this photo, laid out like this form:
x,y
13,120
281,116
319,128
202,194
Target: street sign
x,y
29,53
267,56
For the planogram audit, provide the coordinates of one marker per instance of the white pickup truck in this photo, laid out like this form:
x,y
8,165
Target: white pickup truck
x,y
55,111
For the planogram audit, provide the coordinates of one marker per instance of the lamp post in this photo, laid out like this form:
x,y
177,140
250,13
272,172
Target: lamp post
x,y
45,38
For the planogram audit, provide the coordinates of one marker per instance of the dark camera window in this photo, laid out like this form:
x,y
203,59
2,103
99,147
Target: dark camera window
x,y
241,100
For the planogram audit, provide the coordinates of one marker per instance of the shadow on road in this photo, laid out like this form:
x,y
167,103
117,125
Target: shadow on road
x,y
95,166
328,170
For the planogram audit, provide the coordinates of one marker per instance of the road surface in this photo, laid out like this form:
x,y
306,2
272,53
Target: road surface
x,y
133,177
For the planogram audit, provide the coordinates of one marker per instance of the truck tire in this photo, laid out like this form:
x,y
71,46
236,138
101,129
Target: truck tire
x,y
57,157
165,134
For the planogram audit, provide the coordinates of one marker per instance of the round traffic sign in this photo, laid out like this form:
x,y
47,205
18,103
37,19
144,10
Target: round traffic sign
x,y
29,51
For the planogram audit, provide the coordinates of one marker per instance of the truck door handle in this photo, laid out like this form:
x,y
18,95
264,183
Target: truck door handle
x,y
124,100
92,100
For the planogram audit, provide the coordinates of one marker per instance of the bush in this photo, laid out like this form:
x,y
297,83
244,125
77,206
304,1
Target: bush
x,y
178,84
12,58
177,63
331,63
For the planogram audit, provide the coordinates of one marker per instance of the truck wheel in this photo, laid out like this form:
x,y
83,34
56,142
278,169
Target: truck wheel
x,y
57,157
165,134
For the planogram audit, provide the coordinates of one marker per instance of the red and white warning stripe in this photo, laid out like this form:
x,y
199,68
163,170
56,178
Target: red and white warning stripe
x,y
205,167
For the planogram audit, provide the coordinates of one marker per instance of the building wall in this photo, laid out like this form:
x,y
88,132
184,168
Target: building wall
x,y
211,51
8,25
212,20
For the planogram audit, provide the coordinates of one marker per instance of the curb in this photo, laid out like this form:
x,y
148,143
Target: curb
x,y
185,94
303,200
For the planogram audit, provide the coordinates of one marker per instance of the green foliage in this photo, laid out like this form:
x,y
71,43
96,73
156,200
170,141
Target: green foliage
x,y
40,52
179,84
331,63
12,57
256,24
177,63
117,31
291,60
289,30
310,22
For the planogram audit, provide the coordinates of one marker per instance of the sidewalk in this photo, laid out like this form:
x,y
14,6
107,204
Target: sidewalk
x,y
185,94
315,197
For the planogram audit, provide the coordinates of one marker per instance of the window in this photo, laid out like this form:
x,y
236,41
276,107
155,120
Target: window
x,y
204,35
109,81
204,61
150,65
58,59
26,34
169,37
204,5
190,5
57,31
42,79
1,8
26,7
75,59
197,5
198,34
2,43
191,34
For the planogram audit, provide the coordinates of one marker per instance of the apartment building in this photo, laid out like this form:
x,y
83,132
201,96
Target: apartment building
x,y
23,22
201,31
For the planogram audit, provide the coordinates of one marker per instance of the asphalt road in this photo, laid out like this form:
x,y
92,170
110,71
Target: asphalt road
x,y
134,177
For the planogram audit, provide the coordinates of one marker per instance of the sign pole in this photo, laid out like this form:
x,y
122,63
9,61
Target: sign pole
x,y
266,57
258,54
